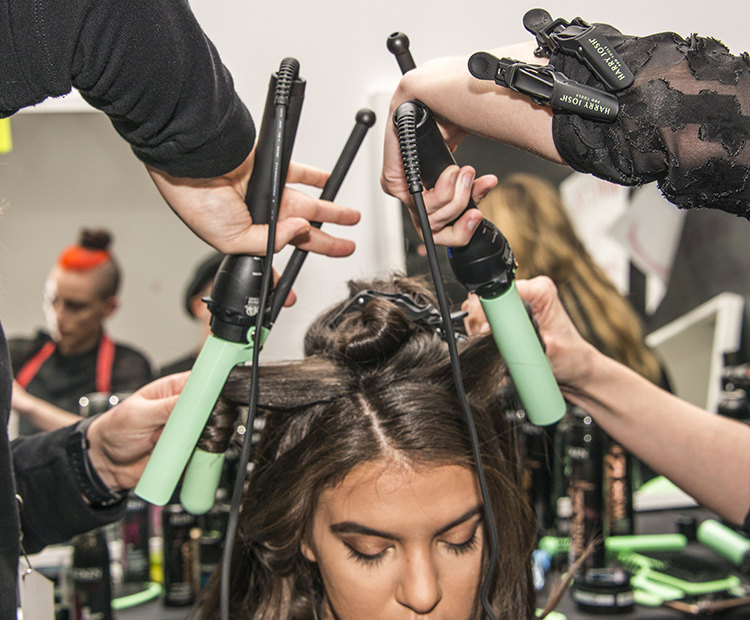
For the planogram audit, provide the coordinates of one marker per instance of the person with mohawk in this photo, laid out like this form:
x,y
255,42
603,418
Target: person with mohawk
x,y
54,369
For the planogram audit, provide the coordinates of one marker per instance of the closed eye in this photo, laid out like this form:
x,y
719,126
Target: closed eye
x,y
464,547
365,558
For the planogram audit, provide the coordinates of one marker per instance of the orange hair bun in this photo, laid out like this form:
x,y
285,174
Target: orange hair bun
x,y
91,251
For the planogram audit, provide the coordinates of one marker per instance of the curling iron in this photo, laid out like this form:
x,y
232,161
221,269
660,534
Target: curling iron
x,y
234,301
364,119
204,469
485,266
234,305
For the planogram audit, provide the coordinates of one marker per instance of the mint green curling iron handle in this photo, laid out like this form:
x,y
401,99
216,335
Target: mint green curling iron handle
x,y
202,476
203,471
527,363
726,542
189,417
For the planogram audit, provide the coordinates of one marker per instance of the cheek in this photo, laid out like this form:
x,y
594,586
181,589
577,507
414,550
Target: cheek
x,y
461,589
355,592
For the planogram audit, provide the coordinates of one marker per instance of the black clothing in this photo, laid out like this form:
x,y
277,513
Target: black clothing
x,y
62,379
145,63
180,365
53,509
148,65
685,122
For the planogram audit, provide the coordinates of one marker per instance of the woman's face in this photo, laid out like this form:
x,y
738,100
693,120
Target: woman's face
x,y
398,542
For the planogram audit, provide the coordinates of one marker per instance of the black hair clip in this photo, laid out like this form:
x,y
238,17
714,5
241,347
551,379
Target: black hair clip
x,y
582,40
546,86
425,314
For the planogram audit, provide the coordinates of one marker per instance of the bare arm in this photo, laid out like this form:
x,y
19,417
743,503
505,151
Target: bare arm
x,y
705,454
465,105
45,416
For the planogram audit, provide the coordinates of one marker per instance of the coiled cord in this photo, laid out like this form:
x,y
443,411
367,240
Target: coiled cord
x,y
287,74
405,120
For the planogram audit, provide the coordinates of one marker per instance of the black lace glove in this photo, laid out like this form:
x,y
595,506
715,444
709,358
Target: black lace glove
x,y
684,122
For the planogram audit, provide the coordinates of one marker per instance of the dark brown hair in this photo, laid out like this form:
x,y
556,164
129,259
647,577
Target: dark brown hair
x,y
373,385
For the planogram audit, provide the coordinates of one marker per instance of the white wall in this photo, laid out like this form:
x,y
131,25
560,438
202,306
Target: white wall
x,y
72,172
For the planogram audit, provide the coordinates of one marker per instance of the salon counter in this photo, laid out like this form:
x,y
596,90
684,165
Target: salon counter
x,y
662,522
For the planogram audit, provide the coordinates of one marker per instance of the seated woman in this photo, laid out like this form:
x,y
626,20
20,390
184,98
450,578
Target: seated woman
x,y
364,500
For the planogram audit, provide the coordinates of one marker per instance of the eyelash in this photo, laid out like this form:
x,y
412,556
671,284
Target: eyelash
x,y
373,560
367,560
464,547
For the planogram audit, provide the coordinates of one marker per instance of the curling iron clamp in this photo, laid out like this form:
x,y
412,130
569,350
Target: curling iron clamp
x,y
583,41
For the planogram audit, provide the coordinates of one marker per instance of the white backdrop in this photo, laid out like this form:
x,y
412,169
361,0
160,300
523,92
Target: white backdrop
x,y
73,171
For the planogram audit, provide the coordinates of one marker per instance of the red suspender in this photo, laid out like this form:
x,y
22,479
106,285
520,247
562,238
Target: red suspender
x,y
30,368
105,358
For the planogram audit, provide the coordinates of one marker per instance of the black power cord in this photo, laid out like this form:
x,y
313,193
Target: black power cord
x,y
406,123
287,73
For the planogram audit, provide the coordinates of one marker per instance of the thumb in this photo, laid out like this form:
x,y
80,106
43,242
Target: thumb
x,y
289,228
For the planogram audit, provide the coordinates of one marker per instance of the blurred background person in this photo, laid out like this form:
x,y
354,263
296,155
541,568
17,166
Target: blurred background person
x,y
197,289
75,356
529,211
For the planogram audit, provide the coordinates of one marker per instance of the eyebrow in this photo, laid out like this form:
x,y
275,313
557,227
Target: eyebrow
x,y
351,527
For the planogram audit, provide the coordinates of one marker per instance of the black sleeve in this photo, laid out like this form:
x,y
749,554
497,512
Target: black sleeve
x,y
145,63
684,122
53,507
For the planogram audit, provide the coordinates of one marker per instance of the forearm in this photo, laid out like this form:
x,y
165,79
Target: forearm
x,y
43,415
482,107
705,454
164,88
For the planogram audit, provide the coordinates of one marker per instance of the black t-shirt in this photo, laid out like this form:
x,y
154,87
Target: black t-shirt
x,y
63,379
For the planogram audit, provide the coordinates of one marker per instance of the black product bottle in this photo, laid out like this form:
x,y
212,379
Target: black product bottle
x,y
92,586
584,454
211,543
618,491
180,533
535,451
136,564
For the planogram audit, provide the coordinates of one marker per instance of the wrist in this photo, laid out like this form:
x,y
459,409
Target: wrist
x,y
87,464
103,465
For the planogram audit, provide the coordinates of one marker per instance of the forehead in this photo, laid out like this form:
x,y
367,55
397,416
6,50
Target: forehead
x,y
73,285
400,498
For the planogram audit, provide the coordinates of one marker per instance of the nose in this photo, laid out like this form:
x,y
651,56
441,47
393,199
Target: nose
x,y
58,310
419,585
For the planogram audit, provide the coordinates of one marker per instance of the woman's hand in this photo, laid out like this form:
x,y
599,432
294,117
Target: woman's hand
x,y
122,439
446,202
464,105
572,358
215,210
